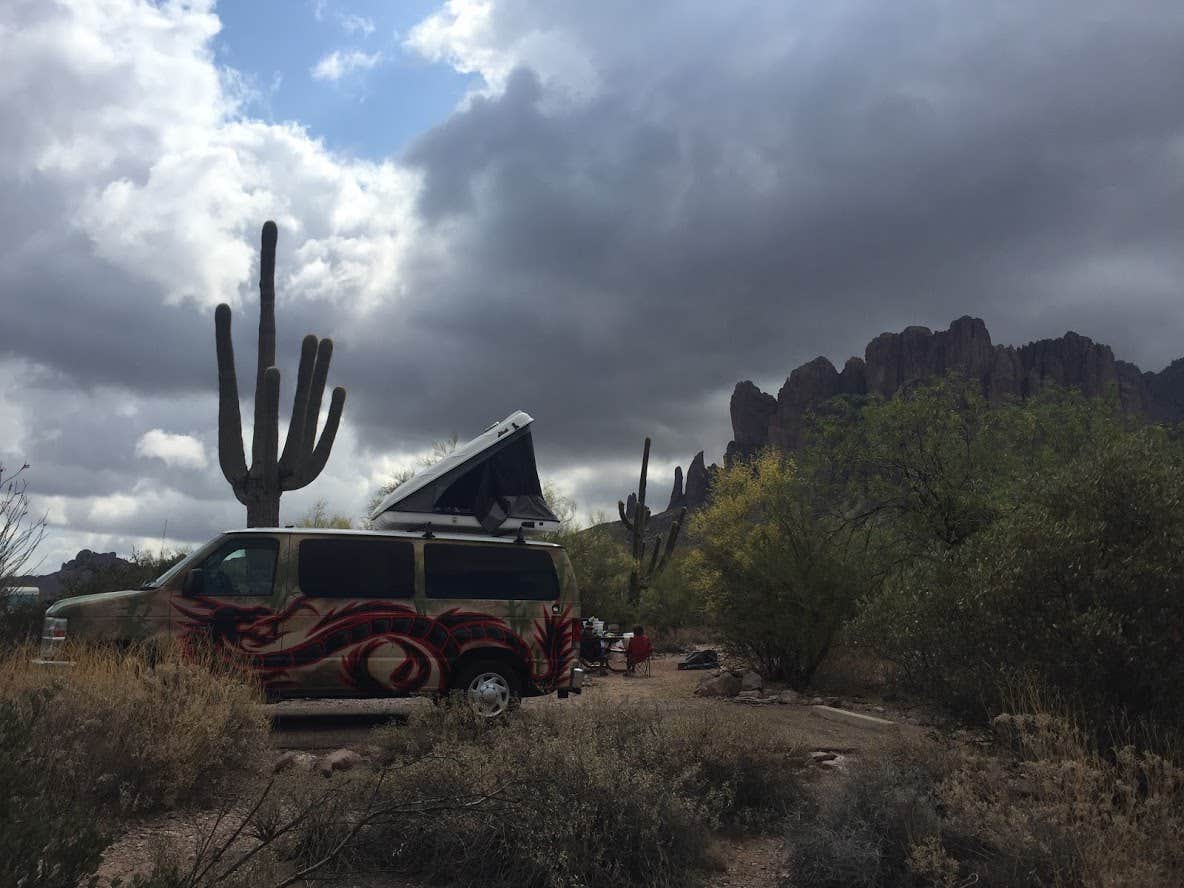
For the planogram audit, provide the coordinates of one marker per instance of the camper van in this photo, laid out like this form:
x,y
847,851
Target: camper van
x,y
473,606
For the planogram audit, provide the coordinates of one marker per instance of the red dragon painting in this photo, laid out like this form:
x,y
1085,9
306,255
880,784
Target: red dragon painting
x,y
355,631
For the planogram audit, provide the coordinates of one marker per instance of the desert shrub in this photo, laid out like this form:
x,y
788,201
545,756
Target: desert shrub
x,y
1043,808
20,622
861,832
51,835
1079,585
680,639
672,601
779,576
568,797
140,737
601,566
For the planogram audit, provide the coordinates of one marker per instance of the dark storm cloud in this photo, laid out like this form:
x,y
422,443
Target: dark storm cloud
x,y
742,188
613,264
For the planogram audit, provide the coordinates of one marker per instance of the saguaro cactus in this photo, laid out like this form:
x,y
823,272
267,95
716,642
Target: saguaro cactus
x,y
271,473
642,573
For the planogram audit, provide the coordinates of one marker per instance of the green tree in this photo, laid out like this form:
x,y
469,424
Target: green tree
x,y
440,449
936,464
1076,584
318,516
779,577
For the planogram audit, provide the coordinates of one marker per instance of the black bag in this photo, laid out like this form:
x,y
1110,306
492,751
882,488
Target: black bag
x,y
700,660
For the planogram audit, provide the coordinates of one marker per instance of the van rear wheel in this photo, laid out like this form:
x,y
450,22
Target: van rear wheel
x,y
489,688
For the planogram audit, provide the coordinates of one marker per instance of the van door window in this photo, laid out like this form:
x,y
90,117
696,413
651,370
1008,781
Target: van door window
x,y
494,572
357,568
242,568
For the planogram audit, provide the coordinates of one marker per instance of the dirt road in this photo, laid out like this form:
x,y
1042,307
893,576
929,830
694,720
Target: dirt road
x,y
329,724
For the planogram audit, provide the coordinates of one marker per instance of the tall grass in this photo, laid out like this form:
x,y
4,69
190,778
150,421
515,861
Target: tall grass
x,y
563,796
624,797
140,734
1045,807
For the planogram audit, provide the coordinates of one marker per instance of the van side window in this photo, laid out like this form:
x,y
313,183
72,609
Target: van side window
x,y
242,568
357,568
496,572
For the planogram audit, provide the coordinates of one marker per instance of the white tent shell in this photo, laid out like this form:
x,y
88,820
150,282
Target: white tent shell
x,y
488,485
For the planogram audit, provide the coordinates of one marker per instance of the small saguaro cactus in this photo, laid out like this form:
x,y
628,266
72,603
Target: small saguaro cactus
x,y
636,519
271,472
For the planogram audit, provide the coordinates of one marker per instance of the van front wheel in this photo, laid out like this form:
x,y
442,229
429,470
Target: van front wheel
x,y
490,688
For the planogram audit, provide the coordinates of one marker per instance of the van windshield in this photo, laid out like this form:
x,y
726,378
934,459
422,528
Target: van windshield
x,y
171,572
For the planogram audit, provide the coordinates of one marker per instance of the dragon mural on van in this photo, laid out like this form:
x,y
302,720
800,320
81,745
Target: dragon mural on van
x,y
356,631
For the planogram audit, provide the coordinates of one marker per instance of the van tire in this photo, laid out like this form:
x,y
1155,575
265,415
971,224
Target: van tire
x,y
491,688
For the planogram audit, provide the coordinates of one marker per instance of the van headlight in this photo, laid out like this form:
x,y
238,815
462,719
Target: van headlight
x,y
53,636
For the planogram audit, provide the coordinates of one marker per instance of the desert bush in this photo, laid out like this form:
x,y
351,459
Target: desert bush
x,y
1043,808
1079,585
779,576
139,737
20,622
601,566
571,797
681,639
672,601
50,834
861,832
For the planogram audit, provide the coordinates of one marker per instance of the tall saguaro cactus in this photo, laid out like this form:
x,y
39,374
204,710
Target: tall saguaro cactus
x,y
271,472
642,573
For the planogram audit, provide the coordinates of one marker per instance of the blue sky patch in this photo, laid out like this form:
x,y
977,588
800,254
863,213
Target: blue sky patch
x,y
370,99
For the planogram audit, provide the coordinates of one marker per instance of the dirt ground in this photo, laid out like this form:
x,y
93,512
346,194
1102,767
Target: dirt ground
x,y
330,724
323,725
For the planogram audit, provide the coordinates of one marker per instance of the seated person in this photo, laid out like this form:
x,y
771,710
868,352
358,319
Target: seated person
x,y
591,648
638,649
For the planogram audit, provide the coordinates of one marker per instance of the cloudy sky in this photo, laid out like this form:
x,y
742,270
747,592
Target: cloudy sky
x,y
603,213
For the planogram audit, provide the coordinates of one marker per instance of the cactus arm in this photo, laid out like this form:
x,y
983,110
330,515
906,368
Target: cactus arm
x,y
312,465
320,374
621,511
675,527
654,555
294,443
266,335
230,427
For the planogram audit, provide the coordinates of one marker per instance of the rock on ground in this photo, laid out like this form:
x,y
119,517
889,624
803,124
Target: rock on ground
x,y
723,685
339,760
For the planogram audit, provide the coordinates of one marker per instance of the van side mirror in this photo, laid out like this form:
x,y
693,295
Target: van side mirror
x,y
195,583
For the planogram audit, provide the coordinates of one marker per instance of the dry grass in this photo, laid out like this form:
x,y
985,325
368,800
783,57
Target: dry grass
x,y
626,796
558,797
1042,809
140,736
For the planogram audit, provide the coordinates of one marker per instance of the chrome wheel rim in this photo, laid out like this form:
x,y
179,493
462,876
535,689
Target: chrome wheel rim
x,y
489,694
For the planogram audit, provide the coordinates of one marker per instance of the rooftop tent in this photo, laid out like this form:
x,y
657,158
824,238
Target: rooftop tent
x,y
490,484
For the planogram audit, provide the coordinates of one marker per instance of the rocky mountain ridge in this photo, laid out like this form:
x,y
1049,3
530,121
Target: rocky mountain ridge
x,y
77,571
916,354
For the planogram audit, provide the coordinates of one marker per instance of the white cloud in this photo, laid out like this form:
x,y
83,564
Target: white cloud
x,y
181,451
356,24
338,64
471,36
